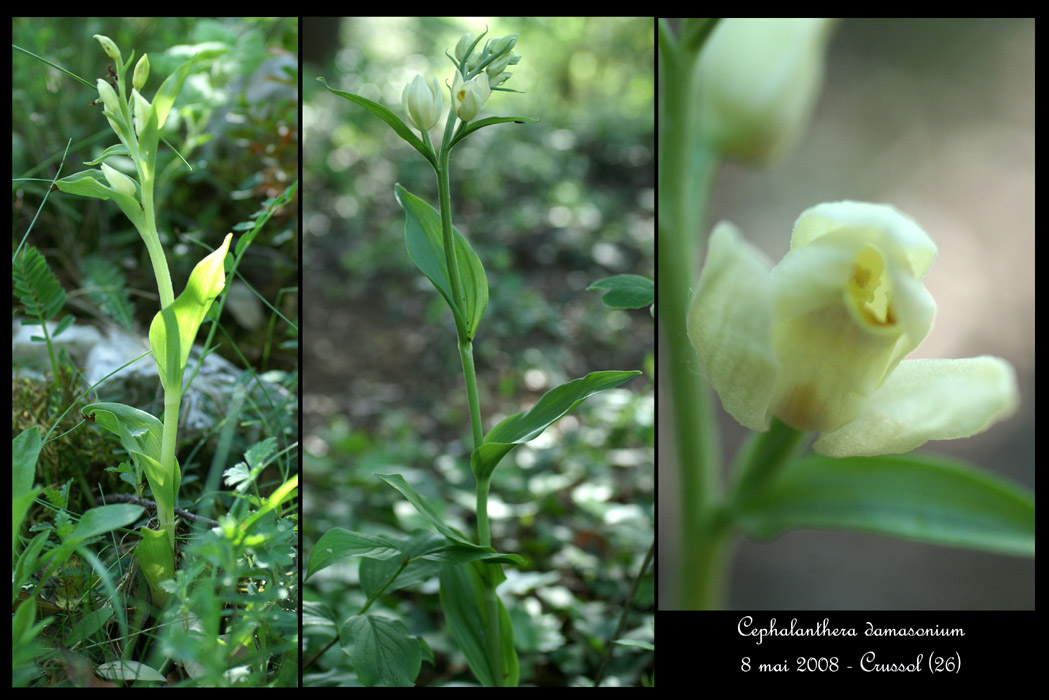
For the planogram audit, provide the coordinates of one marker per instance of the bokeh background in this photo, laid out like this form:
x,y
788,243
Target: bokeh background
x,y
935,117
550,208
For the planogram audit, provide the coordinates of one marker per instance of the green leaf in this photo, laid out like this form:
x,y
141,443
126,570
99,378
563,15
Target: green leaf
x,y
338,544
425,509
118,149
395,122
466,613
141,434
425,242
92,183
103,519
525,426
25,450
129,671
163,101
626,291
174,328
156,560
921,498
481,123
383,652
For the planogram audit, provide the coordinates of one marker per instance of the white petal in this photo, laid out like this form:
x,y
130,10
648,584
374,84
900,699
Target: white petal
x,y
928,400
730,326
881,224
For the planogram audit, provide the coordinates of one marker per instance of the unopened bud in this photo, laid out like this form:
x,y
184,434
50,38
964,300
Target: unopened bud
x,y
497,66
503,44
463,46
141,72
422,103
109,47
119,181
108,96
142,111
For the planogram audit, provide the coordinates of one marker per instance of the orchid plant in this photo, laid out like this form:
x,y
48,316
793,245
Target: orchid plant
x,y
816,343
383,652
150,441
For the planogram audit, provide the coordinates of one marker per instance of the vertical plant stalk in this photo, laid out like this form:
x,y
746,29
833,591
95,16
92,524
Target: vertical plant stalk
x,y
685,174
493,571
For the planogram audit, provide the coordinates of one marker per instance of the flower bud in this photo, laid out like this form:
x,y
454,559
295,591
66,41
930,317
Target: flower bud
x,y
119,181
502,45
109,47
422,103
108,95
469,95
758,81
142,110
498,66
499,79
141,72
463,46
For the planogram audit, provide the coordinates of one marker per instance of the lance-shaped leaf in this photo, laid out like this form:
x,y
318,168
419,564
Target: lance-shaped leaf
x,y
156,114
527,425
465,610
471,127
422,233
913,497
395,122
141,434
175,327
91,183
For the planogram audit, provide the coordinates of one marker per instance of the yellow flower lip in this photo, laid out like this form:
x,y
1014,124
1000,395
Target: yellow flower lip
x,y
819,339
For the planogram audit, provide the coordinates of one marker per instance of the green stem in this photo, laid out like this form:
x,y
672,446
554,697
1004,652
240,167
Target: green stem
x,y
493,571
685,176
173,397
166,508
466,354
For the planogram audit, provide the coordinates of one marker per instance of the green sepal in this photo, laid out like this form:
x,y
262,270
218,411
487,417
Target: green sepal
x,y
156,561
174,328
425,242
527,425
395,122
462,595
467,129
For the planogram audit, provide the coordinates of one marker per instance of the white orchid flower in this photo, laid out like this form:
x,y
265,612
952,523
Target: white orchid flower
x,y
818,341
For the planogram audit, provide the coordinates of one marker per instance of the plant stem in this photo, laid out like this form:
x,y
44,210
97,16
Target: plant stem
x,y
172,397
685,176
493,572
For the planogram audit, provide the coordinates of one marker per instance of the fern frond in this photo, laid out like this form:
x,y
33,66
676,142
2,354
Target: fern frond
x,y
106,285
36,286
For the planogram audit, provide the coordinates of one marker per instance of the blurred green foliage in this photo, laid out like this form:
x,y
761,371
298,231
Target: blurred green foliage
x,y
550,208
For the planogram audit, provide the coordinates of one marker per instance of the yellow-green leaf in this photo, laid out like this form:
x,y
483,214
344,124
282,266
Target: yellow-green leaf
x,y
175,327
